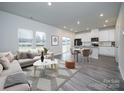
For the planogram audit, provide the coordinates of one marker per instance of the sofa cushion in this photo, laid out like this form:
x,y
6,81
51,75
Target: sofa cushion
x,y
36,58
10,56
3,54
34,52
2,81
13,68
5,62
21,55
26,62
1,68
30,55
15,79
20,87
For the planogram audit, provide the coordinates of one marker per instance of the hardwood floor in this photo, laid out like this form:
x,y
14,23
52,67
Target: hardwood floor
x,y
98,75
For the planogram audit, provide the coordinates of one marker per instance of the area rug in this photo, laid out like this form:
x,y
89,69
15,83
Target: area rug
x,y
52,80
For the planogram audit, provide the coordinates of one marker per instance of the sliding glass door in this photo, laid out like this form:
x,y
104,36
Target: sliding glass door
x,y
66,44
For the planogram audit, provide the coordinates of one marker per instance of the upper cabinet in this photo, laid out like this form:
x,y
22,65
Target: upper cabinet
x,y
86,36
111,35
103,35
94,33
106,35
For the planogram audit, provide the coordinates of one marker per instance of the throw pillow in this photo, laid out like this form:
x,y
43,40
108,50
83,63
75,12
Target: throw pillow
x,y
30,55
34,52
10,56
1,68
15,79
21,55
3,54
5,62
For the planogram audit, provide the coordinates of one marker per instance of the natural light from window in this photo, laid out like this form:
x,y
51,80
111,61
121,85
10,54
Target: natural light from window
x,y
25,39
40,38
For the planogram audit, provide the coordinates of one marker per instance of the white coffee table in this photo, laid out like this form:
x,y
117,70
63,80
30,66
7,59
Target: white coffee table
x,y
47,62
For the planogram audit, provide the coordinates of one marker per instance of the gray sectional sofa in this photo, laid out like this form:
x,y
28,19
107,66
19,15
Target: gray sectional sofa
x,y
14,68
24,62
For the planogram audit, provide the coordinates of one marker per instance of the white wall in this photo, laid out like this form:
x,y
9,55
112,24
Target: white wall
x,y
9,25
120,39
117,36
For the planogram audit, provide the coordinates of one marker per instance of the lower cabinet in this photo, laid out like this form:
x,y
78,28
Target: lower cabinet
x,y
107,51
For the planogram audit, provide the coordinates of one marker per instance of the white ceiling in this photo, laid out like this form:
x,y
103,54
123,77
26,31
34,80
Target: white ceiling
x,y
66,14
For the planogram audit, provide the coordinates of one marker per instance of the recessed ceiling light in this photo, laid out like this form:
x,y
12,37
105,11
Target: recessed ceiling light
x,y
71,29
78,22
106,21
49,3
101,14
104,25
64,26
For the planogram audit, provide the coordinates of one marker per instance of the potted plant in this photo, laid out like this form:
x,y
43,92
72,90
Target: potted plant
x,y
45,50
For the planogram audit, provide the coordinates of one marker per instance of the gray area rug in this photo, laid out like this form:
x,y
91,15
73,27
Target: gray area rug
x,y
52,80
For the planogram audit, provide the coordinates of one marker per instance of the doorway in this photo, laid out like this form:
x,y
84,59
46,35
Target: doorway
x,y
66,44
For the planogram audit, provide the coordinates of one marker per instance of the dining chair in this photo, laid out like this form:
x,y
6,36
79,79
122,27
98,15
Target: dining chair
x,y
90,59
74,53
86,53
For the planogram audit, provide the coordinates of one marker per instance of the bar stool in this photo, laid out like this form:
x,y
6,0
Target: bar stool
x,y
74,53
86,53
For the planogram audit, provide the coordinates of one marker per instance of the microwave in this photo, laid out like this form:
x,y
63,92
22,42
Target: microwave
x,y
95,39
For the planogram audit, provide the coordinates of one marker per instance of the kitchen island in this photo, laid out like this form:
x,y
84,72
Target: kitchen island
x,y
95,50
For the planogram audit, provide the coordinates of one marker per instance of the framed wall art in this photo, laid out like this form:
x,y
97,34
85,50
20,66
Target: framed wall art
x,y
54,40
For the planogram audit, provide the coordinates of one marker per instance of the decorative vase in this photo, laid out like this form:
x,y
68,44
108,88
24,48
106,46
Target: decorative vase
x,y
42,57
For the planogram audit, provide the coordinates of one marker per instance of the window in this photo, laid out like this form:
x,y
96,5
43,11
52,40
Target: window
x,y
25,38
40,39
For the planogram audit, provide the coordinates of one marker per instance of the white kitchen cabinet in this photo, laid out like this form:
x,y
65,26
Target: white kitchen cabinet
x,y
111,35
86,37
95,52
106,35
103,36
108,51
94,33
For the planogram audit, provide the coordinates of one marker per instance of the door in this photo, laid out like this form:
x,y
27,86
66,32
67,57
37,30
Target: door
x,y
66,44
